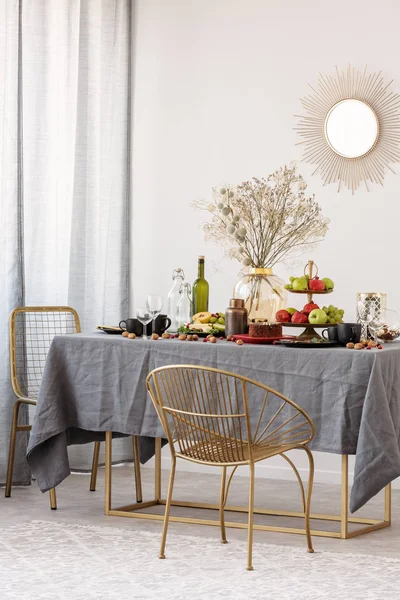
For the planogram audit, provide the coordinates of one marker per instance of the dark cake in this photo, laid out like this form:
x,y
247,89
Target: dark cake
x,y
265,330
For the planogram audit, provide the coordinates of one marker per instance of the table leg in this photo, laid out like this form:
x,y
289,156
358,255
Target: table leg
x,y
108,465
136,460
388,503
345,497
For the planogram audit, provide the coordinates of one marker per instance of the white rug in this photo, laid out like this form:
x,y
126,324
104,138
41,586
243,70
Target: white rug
x,y
62,561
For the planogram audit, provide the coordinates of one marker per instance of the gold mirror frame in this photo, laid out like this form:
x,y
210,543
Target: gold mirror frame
x,y
333,167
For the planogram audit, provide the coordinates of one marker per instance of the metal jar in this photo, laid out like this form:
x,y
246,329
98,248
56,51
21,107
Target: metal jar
x,y
236,317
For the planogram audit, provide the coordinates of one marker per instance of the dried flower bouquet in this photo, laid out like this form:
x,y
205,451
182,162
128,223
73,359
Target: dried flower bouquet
x,y
260,222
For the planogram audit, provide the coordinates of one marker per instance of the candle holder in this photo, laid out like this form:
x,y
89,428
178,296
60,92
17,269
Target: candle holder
x,y
374,302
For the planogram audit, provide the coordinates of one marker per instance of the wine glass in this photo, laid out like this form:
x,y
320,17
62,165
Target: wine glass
x,y
154,306
365,315
144,316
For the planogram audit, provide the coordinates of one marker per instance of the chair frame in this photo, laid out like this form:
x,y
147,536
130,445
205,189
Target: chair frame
x,y
246,453
22,400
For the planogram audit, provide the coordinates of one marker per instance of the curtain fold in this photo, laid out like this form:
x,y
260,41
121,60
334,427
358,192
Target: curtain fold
x,y
66,84
11,221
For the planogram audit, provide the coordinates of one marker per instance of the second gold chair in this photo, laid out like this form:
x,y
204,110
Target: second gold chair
x,y
32,329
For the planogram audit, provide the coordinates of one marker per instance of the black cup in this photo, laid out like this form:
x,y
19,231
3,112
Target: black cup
x,y
162,322
132,326
330,333
348,332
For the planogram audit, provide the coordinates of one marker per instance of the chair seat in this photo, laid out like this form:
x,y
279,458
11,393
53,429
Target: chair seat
x,y
232,451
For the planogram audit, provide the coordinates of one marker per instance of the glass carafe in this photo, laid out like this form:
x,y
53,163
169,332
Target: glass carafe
x,y
178,277
184,304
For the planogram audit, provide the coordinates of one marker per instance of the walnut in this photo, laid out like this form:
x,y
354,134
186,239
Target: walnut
x,y
155,336
131,336
125,334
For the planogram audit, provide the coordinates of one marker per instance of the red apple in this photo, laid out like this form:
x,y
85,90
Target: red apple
x,y
282,316
299,317
309,307
316,284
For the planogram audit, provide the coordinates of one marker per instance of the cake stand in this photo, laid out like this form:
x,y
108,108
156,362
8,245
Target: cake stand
x,y
309,329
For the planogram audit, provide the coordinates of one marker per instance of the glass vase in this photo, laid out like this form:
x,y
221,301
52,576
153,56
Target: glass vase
x,y
263,294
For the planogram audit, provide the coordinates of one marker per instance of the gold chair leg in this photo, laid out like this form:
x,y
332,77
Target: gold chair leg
x,y
136,459
107,477
11,453
168,507
95,466
53,499
222,500
308,501
344,512
157,470
251,519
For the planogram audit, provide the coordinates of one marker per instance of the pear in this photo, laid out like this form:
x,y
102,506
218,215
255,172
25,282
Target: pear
x,y
202,317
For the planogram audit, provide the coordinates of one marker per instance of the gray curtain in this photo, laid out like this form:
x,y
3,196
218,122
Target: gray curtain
x,y
11,221
65,164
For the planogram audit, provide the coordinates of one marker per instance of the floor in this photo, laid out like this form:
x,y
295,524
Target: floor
x,y
76,504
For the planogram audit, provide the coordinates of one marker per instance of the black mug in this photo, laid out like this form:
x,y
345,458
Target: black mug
x,y
132,326
330,334
348,332
162,322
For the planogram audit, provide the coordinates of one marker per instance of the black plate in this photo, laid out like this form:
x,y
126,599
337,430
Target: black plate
x,y
304,344
110,330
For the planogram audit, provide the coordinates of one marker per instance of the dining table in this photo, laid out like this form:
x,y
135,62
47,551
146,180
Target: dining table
x,y
94,382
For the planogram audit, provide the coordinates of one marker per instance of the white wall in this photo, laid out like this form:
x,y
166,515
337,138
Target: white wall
x,y
216,85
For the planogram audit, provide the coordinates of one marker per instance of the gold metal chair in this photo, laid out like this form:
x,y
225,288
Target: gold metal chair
x,y
32,329
209,417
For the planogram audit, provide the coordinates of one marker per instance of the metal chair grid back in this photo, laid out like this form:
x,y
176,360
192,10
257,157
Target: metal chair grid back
x,y
219,417
204,412
32,330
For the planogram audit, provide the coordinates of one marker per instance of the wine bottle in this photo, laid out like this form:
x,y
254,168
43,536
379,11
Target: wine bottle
x,y
200,290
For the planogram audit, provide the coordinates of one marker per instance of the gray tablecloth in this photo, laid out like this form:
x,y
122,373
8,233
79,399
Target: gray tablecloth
x,y
93,383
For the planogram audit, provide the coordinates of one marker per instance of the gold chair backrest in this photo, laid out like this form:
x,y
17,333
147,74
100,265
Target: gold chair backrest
x,y
32,329
215,416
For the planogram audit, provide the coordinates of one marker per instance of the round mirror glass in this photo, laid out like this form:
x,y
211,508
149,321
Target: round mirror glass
x,y
351,128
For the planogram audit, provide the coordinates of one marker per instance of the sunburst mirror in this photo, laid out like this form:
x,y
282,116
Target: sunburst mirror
x,y
352,128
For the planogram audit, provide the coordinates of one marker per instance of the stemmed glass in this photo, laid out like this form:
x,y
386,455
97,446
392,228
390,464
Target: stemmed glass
x,y
154,306
144,316
365,315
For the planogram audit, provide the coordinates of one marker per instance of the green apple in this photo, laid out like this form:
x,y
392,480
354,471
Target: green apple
x,y
300,284
291,310
329,285
317,317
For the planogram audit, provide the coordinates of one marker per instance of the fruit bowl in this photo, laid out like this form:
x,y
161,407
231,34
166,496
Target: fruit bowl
x,y
386,328
311,292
